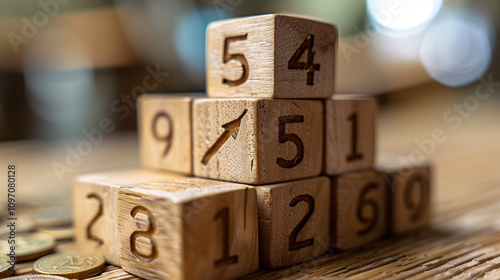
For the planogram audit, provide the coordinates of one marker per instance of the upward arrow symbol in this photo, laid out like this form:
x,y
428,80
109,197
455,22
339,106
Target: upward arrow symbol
x,y
230,129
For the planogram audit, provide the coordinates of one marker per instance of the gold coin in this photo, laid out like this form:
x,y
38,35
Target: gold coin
x,y
72,265
22,224
29,246
37,277
5,267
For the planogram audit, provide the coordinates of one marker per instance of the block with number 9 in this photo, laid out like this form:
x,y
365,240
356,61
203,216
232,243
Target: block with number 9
x,y
272,56
165,131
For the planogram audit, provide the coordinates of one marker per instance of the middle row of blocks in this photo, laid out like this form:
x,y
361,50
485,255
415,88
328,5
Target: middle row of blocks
x,y
256,141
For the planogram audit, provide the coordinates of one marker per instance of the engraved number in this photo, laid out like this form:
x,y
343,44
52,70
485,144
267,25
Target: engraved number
x,y
90,235
309,65
226,258
364,202
145,234
168,137
293,244
237,56
418,210
354,155
283,137
230,129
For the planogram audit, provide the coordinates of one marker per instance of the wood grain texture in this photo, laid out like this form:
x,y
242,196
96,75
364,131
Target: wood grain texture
x,y
94,208
293,221
409,196
257,141
255,52
165,132
349,133
359,209
188,229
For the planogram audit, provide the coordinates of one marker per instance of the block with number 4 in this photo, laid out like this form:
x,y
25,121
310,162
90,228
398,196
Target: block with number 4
x,y
273,56
409,199
257,141
94,197
359,209
349,134
188,229
165,131
293,221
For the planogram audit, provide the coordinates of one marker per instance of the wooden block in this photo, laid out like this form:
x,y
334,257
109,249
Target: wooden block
x,y
94,198
293,221
272,56
188,229
359,209
409,196
349,133
165,132
257,141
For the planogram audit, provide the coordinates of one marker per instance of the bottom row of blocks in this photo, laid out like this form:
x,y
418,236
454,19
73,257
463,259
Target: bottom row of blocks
x,y
159,225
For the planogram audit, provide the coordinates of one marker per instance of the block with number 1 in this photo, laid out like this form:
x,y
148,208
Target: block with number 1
x,y
273,56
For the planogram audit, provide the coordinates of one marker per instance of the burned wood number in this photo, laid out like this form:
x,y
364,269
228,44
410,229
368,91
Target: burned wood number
x,y
238,57
293,244
167,138
226,259
354,155
90,235
417,181
309,66
363,202
148,234
284,137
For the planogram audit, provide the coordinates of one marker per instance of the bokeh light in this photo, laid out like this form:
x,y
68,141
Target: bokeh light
x,y
402,17
457,50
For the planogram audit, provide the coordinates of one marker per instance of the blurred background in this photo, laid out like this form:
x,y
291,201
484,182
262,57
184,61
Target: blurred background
x,y
70,72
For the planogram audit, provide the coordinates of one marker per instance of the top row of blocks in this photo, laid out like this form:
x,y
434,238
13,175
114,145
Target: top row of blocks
x,y
271,56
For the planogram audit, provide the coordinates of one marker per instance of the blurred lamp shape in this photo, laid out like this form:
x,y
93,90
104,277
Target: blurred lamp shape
x,y
399,18
457,49
190,41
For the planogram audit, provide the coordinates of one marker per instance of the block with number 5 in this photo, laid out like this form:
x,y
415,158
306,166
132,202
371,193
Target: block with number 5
x,y
274,56
257,141
165,131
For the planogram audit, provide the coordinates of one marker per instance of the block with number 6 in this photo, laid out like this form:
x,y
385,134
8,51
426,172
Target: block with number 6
x,y
165,131
94,197
273,56
359,209
188,229
257,141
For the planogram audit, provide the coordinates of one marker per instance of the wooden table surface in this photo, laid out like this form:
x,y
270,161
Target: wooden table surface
x,y
464,238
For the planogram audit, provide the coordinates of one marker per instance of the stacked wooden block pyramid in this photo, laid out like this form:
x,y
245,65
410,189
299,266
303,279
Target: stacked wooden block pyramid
x,y
269,171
